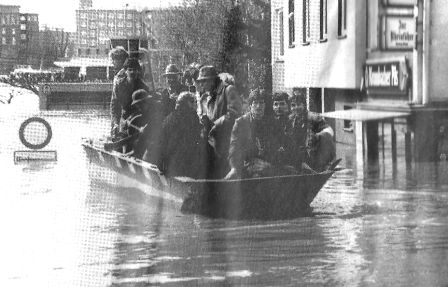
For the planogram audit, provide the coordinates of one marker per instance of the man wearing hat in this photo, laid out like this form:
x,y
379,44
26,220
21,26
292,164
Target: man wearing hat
x,y
219,106
175,87
217,97
123,88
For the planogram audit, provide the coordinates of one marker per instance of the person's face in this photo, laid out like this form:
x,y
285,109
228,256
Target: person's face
x,y
257,109
117,63
206,85
172,80
297,108
280,108
132,73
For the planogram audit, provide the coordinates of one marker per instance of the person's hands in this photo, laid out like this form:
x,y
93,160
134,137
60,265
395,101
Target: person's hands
x,y
233,174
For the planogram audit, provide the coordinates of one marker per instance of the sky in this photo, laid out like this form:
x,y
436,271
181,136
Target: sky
x,y
61,13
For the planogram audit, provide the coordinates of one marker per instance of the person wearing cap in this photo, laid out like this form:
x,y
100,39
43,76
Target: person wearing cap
x,y
118,56
123,88
253,141
175,87
310,134
181,144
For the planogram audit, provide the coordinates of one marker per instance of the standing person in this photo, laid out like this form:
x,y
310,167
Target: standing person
x,y
311,134
123,88
175,87
181,144
253,142
118,56
219,106
217,97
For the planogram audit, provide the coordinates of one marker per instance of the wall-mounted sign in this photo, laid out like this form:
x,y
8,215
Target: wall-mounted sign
x,y
386,76
400,2
398,33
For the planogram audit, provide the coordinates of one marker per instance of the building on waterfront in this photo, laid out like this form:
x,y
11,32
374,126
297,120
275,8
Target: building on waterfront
x,y
10,36
19,37
29,39
372,63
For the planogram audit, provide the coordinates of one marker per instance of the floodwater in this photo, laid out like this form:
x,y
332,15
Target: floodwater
x,y
67,223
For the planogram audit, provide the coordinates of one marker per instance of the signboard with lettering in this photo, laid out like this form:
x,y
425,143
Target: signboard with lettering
x,y
386,76
400,2
398,33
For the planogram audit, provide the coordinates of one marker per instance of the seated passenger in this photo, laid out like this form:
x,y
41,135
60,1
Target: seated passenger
x,y
288,153
311,133
253,143
181,146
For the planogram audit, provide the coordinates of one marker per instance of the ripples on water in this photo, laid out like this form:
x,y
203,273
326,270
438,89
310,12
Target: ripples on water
x,y
69,223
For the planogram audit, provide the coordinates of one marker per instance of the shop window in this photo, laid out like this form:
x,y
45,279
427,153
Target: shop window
x,y
306,29
291,23
342,18
323,21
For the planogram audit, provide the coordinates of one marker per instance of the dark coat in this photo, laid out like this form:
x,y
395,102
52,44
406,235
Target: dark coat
x,y
169,97
181,145
147,144
251,139
120,103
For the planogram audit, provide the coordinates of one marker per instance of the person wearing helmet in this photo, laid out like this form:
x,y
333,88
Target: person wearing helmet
x,y
175,87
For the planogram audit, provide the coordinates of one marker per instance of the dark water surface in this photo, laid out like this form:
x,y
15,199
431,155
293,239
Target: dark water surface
x,y
70,224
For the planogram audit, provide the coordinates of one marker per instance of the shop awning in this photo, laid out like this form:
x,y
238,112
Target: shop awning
x,y
364,115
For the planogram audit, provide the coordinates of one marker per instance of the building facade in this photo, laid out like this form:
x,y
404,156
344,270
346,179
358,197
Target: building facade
x,y
29,39
10,36
379,56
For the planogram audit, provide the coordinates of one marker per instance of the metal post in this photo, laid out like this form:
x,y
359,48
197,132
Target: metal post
x,y
393,135
426,45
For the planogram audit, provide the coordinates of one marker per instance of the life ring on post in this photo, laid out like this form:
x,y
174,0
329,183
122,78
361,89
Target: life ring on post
x,y
31,145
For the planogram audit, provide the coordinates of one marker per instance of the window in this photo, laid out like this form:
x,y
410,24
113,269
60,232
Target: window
x,y
3,31
23,36
306,29
22,27
83,23
291,23
129,24
120,16
13,41
3,40
348,125
323,21
13,31
281,33
22,18
120,24
342,18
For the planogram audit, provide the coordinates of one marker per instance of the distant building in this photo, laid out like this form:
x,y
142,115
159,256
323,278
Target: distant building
x,y
10,37
29,39
95,27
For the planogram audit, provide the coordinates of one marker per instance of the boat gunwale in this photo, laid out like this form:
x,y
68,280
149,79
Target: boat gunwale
x,y
184,179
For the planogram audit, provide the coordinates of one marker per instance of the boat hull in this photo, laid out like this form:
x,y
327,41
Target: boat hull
x,y
269,197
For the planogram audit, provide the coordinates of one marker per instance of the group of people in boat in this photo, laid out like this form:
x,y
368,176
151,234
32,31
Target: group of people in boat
x,y
197,126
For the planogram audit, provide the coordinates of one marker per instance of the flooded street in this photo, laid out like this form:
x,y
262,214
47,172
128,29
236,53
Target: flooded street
x,y
68,223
